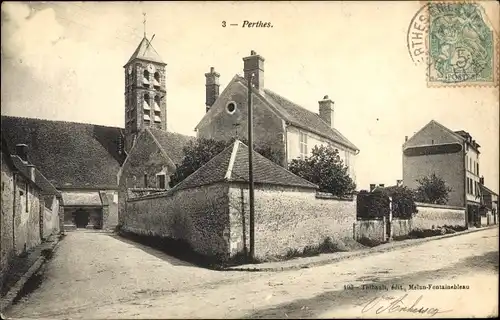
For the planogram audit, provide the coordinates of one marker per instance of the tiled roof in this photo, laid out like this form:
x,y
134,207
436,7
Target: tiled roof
x,y
82,199
172,143
306,119
45,186
145,51
301,117
232,165
69,154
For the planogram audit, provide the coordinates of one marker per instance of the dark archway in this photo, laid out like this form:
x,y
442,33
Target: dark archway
x,y
81,218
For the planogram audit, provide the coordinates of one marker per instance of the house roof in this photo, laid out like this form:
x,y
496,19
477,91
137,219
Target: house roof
x,y
145,51
295,115
488,190
71,155
231,165
82,199
306,119
172,143
40,181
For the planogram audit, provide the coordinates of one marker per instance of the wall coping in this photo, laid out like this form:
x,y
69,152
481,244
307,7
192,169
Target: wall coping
x,y
329,196
437,206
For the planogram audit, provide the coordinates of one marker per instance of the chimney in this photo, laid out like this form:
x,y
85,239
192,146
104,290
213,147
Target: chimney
x,y
381,185
399,183
406,138
481,180
326,110
211,87
254,64
22,151
372,187
31,171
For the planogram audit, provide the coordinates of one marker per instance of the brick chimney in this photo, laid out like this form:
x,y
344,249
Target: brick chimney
x,y
211,87
326,110
372,186
22,151
254,64
399,182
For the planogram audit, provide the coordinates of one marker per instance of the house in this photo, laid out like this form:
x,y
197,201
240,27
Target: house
x,y
209,209
149,164
30,206
277,122
83,161
80,160
489,200
451,155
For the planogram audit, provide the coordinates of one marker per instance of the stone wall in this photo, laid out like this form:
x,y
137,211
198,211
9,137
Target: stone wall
x,y
7,250
199,216
433,215
287,218
401,227
369,229
27,217
50,216
110,216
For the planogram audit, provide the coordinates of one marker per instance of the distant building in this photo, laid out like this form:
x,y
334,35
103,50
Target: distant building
x,y
451,155
278,122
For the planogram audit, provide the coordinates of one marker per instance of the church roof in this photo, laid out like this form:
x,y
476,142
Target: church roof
x,y
172,143
145,51
70,155
231,165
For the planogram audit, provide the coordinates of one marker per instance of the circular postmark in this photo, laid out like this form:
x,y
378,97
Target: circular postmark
x,y
453,41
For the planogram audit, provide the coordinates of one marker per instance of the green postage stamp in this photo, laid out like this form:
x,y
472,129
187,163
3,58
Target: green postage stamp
x,y
462,46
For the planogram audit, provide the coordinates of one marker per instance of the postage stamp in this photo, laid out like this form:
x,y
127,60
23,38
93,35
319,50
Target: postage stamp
x,y
457,43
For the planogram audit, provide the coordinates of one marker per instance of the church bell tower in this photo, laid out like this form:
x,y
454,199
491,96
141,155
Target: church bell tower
x,y
145,92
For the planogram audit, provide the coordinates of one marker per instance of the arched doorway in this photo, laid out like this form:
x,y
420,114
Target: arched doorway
x,y
81,218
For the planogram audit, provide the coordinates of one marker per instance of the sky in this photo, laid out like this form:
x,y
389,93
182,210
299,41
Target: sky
x,y
64,61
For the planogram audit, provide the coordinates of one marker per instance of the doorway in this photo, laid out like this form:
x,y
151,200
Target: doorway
x,y
81,219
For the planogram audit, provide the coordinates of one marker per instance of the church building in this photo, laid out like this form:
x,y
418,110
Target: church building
x,y
85,161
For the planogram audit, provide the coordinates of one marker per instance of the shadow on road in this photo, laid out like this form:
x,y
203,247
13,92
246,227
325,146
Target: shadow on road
x,y
155,252
357,297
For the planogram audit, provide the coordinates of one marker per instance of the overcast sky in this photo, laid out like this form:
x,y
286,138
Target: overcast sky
x,y
64,61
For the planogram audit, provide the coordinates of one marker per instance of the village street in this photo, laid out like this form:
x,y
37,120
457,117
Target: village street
x,y
99,275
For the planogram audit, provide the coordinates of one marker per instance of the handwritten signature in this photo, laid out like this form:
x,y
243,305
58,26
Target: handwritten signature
x,y
391,304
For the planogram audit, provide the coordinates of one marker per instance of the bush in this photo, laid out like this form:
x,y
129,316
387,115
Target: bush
x,y
369,242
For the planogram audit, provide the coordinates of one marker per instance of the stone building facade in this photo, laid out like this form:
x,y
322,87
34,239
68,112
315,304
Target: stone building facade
x,y
278,122
451,155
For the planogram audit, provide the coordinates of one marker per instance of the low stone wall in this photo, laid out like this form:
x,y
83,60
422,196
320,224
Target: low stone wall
x,y
433,216
198,216
287,218
369,229
401,227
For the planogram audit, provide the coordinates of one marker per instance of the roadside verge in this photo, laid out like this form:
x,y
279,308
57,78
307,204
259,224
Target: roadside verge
x,y
322,259
43,253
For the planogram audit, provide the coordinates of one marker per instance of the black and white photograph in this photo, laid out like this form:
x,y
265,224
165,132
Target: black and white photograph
x,y
249,159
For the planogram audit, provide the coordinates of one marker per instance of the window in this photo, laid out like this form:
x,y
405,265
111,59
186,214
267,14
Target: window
x,y
160,181
303,144
468,185
145,180
156,81
477,168
145,79
470,164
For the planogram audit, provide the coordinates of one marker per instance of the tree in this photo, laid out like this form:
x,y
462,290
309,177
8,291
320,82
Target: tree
x,y
432,189
200,151
325,168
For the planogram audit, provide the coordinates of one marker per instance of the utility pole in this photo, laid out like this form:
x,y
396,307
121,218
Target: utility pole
x,y
250,169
